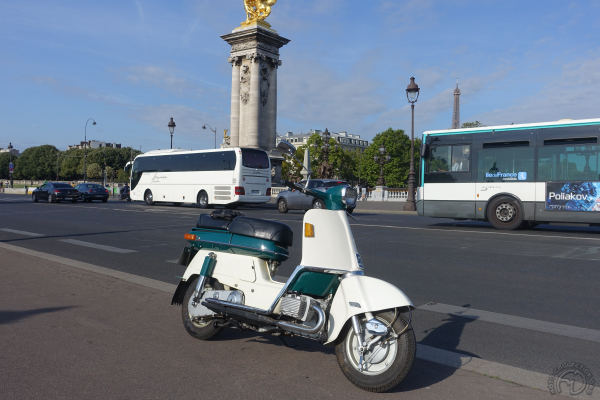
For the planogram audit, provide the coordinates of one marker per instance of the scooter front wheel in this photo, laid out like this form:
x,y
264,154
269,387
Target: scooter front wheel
x,y
200,329
386,363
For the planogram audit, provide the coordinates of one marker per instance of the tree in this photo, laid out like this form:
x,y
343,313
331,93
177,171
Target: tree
x,y
5,159
122,176
475,124
397,145
94,171
37,163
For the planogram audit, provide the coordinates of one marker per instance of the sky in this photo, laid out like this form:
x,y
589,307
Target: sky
x,y
131,65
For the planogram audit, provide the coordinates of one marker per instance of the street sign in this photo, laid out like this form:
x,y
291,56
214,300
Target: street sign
x,y
11,167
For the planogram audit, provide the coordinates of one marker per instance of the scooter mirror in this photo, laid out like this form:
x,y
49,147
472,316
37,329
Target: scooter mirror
x,y
286,148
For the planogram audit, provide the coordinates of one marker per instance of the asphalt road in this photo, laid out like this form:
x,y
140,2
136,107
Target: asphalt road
x,y
531,295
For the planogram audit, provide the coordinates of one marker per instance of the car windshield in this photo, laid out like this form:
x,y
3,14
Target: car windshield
x,y
62,186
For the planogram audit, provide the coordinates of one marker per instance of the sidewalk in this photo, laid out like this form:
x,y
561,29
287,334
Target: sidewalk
x,y
71,333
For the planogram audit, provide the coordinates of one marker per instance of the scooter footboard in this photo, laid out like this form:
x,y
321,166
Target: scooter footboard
x,y
359,294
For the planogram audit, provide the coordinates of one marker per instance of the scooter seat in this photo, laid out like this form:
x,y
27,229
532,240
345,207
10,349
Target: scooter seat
x,y
207,222
262,229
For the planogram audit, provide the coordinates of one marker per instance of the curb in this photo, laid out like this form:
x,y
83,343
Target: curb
x,y
478,366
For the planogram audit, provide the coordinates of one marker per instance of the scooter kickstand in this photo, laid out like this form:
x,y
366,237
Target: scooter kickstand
x,y
285,342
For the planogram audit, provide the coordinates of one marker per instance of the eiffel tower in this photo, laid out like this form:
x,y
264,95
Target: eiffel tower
x,y
456,111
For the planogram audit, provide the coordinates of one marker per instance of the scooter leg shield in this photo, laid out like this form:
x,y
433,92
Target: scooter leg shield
x,y
359,294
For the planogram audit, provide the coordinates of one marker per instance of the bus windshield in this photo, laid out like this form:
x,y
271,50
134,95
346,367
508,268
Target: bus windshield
x,y
252,158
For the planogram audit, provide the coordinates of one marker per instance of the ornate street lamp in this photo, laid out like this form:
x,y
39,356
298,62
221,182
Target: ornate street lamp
x,y
171,126
412,94
85,149
214,131
381,159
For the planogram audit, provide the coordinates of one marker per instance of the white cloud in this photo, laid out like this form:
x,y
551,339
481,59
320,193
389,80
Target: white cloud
x,y
316,95
157,77
574,94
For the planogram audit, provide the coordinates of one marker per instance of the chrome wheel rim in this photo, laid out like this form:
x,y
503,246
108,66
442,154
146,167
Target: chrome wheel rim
x,y
203,199
149,197
378,359
318,205
505,212
281,205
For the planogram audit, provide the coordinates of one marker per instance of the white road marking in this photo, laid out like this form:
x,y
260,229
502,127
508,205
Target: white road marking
x,y
479,366
20,232
591,335
97,246
479,232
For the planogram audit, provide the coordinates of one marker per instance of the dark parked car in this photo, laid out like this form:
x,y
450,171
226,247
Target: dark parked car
x,y
55,192
296,200
92,191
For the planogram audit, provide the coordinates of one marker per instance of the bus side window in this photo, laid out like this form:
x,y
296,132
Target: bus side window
x,y
460,158
439,159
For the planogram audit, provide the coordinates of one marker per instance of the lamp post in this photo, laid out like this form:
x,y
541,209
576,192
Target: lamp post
x,y
171,126
85,150
412,94
381,159
214,130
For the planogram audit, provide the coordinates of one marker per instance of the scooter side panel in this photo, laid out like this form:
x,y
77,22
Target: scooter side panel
x,y
332,245
359,294
248,274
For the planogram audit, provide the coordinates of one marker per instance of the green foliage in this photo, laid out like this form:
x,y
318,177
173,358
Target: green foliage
x,y
40,162
352,165
94,171
122,176
37,163
475,124
5,159
397,145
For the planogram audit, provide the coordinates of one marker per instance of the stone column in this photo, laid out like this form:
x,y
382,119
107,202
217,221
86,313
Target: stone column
x,y
253,122
256,102
234,128
272,104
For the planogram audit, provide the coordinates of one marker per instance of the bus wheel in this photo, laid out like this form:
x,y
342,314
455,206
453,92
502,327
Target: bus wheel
x,y
203,199
149,198
505,213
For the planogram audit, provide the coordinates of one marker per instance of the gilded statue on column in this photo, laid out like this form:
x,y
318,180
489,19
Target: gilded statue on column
x,y
257,11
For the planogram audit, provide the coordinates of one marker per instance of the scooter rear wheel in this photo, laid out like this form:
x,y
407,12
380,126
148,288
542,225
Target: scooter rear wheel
x,y
387,363
205,329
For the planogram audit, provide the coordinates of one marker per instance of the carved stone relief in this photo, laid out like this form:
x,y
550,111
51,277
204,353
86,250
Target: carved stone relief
x,y
253,44
245,84
264,84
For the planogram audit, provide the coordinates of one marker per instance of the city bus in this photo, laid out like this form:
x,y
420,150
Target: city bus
x,y
513,175
228,177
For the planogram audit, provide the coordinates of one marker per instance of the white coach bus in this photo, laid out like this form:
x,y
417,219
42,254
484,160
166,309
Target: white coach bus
x,y
513,175
228,177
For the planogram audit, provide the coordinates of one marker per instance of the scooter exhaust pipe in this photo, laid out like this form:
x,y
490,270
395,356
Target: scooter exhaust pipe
x,y
226,307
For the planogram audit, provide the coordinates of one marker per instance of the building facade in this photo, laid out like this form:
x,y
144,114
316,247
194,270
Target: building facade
x,y
344,139
95,144
10,150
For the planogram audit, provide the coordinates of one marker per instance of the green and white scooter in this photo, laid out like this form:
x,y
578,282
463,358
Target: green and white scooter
x,y
231,262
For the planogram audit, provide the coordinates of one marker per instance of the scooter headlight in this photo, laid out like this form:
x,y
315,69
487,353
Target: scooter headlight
x,y
350,196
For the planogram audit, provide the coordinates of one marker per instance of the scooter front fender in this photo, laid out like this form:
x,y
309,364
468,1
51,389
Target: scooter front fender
x,y
358,294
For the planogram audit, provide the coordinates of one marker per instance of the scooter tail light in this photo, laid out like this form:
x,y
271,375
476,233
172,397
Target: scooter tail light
x,y
189,236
